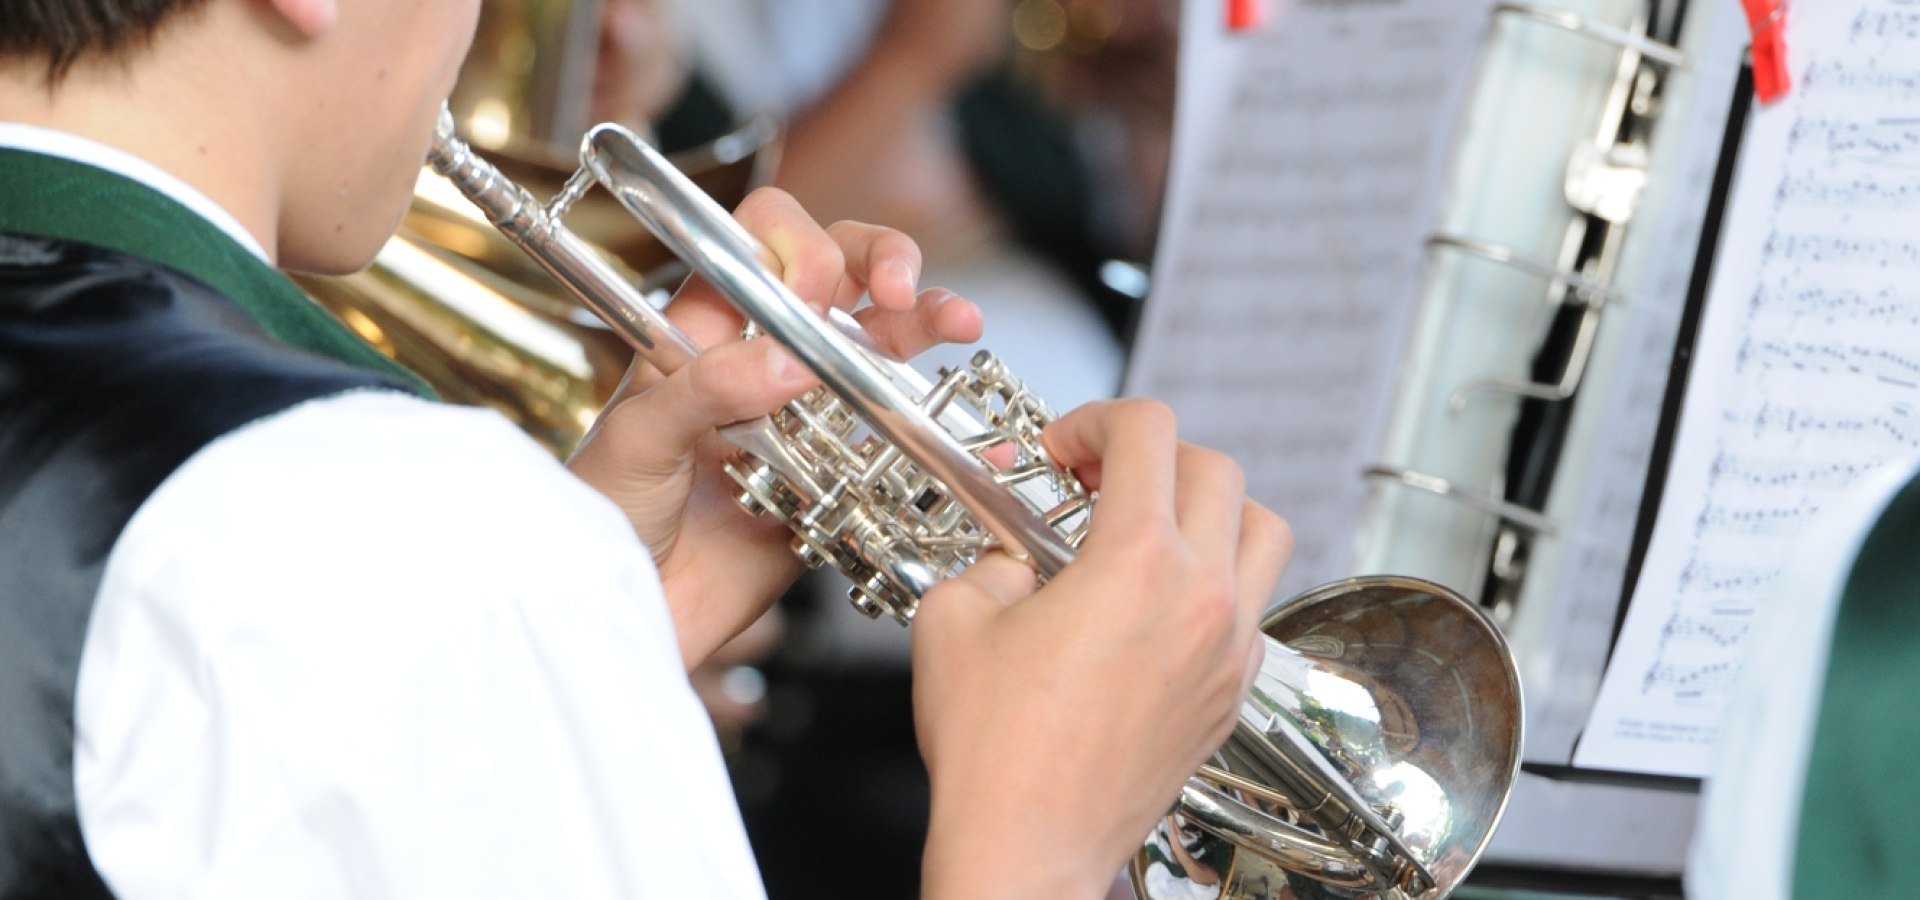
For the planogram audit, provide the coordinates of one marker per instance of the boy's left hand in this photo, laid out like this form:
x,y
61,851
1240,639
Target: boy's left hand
x,y
654,450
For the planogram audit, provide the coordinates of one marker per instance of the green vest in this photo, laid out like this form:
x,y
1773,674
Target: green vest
x,y
1860,813
51,197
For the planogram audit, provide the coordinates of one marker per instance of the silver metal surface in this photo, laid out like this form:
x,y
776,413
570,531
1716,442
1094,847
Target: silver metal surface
x,y
1606,179
897,481
1574,289
1408,694
1655,51
1593,292
722,251
560,252
900,482
584,274
1512,513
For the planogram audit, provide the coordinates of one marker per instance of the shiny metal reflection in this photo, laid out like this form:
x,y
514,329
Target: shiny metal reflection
x,y
1408,694
1331,754
456,302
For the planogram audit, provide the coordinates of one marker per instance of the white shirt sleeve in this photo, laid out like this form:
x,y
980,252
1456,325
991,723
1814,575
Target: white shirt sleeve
x,y
373,647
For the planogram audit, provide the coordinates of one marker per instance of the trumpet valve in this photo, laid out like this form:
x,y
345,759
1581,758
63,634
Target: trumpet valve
x,y
809,555
864,602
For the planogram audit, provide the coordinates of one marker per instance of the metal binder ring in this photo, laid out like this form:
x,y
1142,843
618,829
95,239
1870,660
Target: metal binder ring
x,y
1654,51
1588,293
1513,513
1592,293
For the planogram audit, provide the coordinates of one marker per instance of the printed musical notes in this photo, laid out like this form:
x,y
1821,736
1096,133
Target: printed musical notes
x,y
1886,24
1876,139
1886,306
1805,377
1306,155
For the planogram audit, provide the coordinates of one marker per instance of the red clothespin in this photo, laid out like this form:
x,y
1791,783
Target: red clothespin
x,y
1245,15
1768,21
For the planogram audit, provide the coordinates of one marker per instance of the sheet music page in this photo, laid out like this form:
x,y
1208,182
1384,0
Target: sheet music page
x,y
1806,373
1307,162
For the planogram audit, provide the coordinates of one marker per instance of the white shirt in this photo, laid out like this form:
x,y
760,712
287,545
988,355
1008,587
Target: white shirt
x,y
1747,838
778,56
379,647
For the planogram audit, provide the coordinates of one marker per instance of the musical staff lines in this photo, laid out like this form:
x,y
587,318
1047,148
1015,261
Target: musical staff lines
x,y
1718,578
1846,76
1303,175
1895,367
1805,376
1884,306
1836,249
1778,472
1851,193
1878,140
1886,24
1894,425
1689,682
1751,519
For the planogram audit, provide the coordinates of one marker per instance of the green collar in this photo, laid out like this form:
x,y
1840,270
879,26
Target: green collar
x,y
46,196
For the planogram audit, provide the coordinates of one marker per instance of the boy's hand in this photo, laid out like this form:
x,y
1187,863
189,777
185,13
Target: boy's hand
x,y
654,450
1058,725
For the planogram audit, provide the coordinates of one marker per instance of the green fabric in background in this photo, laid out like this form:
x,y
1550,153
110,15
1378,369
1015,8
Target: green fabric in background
x,y
1860,814
50,197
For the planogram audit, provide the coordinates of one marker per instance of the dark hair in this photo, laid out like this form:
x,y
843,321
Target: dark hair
x,y
64,31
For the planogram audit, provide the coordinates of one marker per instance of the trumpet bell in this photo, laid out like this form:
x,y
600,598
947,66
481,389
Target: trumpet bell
x,y
1410,695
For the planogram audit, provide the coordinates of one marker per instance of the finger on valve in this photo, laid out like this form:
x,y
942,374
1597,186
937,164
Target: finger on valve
x,y
939,317
880,261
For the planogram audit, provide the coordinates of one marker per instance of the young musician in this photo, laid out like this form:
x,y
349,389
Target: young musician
x,y
1812,789
272,624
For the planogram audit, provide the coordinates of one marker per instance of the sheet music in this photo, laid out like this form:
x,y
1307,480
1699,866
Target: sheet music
x,y
1806,373
1308,159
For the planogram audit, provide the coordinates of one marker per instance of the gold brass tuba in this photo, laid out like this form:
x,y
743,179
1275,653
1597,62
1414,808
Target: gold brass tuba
x,y
1376,751
452,300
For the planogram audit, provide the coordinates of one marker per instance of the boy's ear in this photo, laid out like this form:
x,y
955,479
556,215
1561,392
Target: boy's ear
x,y
311,18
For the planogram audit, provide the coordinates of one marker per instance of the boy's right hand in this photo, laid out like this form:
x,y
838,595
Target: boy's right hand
x,y
1059,724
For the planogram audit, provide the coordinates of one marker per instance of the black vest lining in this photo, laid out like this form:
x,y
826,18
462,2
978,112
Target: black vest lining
x,y
113,371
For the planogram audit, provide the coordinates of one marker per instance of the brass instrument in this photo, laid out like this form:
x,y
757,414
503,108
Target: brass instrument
x,y
1373,757
455,302
527,81
452,300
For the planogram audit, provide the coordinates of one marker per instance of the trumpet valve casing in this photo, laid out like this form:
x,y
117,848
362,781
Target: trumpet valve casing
x,y
886,523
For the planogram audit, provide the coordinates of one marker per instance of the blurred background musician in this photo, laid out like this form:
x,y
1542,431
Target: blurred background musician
x,y
927,115
1813,791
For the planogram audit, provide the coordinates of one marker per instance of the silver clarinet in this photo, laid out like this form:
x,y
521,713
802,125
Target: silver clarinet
x,y
1373,757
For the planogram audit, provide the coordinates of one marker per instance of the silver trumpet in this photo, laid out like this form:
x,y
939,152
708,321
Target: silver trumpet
x,y
1375,753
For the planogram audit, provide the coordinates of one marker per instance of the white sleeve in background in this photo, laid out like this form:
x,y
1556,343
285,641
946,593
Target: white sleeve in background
x,y
778,56
1745,842
372,648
